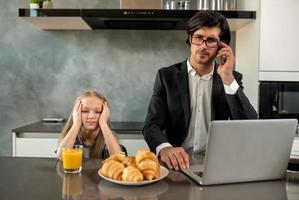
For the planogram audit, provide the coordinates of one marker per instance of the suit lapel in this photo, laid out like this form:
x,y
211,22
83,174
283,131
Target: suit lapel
x,y
183,88
216,89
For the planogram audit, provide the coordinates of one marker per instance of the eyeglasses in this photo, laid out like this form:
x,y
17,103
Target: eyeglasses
x,y
210,42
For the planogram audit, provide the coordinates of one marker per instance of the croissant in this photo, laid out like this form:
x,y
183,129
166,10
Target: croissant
x,y
148,164
149,168
145,166
129,161
112,169
142,154
117,157
132,174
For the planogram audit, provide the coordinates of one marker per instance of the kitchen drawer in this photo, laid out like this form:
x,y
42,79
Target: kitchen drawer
x,y
45,147
36,147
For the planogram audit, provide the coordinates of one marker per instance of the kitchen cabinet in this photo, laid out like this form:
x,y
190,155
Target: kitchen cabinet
x,y
295,148
39,145
41,139
279,40
35,146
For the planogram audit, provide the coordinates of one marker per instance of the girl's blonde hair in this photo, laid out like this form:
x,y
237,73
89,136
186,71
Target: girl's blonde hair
x,y
100,142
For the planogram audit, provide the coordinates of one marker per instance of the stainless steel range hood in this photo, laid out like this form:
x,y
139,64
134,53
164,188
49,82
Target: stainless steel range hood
x,y
87,19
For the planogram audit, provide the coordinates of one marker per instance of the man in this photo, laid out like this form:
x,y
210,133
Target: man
x,y
187,96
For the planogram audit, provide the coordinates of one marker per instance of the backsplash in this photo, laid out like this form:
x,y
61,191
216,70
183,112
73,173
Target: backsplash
x,y
42,72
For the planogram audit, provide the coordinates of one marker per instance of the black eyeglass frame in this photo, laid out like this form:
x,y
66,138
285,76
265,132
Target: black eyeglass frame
x,y
204,41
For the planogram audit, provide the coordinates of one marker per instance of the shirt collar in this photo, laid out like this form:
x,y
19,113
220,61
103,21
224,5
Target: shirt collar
x,y
192,71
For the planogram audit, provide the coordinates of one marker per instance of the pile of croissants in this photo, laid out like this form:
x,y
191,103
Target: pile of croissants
x,y
144,166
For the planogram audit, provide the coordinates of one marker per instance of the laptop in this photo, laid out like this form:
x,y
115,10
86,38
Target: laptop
x,y
244,151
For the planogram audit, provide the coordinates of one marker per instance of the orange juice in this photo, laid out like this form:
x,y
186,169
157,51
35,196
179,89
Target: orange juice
x,y
72,160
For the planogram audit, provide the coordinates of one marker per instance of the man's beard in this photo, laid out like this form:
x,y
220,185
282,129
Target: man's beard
x,y
207,57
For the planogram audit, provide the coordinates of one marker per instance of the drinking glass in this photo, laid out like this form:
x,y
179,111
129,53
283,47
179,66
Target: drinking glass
x,y
72,159
203,4
184,5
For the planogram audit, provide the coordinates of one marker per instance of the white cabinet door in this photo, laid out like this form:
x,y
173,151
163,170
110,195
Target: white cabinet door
x,y
279,40
45,147
295,148
36,147
45,144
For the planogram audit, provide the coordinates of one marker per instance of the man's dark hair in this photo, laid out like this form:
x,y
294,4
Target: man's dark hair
x,y
209,19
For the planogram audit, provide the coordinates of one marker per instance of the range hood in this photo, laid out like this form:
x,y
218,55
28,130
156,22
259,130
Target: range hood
x,y
136,19
88,19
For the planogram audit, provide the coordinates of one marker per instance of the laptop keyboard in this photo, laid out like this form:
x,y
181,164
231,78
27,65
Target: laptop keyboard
x,y
198,174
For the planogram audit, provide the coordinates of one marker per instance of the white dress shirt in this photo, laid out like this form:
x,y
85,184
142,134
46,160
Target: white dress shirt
x,y
200,90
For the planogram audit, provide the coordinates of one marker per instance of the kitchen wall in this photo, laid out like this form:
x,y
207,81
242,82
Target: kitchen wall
x,y
42,72
247,51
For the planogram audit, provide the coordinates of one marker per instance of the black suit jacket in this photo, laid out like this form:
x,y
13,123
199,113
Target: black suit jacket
x,y
169,114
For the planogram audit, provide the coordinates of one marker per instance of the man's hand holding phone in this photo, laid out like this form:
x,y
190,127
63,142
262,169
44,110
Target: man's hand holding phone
x,y
227,61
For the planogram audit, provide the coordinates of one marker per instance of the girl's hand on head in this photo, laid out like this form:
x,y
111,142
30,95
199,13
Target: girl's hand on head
x,y
104,117
77,113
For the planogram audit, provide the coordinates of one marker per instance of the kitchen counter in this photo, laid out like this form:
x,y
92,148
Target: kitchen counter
x,y
40,139
56,127
41,178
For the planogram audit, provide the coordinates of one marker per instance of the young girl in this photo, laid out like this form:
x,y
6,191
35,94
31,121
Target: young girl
x,y
89,125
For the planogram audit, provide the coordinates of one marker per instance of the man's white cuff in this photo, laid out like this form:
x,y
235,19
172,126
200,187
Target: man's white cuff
x,y
161,146
232,88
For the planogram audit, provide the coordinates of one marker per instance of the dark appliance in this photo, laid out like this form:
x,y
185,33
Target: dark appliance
x,y
278,99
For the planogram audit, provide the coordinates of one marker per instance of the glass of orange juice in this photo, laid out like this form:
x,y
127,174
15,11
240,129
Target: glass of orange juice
x,y
72,159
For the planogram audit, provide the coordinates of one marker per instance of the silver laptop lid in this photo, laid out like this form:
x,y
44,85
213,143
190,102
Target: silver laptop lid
x,y
248,150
